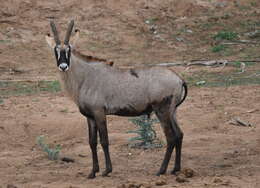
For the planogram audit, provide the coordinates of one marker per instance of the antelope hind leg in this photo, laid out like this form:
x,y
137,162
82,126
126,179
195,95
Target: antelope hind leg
x,y
166,125
178,143
102,129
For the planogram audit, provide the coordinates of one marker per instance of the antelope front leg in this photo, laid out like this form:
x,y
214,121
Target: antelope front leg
x,y
102,129
92,128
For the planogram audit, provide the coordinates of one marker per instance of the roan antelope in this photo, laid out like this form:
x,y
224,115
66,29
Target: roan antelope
x,y
99,89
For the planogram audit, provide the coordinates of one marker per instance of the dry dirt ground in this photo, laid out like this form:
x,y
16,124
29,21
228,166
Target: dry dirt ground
x,y
129,33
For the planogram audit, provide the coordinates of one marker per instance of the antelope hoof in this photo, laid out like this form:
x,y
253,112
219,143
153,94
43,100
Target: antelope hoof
x,y
175,171
106,172
92,175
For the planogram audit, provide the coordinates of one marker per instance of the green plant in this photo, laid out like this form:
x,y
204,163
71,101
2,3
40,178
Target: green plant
x,y
226,35
1,101
53,154
146,134
65,110
218,48
17,88
253,4
224,79
50,86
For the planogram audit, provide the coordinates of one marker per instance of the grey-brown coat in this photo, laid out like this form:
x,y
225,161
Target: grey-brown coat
x,y
100,89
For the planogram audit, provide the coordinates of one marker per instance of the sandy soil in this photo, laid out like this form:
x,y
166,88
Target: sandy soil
x,y
219,153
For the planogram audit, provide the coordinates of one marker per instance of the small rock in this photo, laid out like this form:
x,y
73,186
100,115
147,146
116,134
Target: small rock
x,y
133,185
146,185
253,34
82,155
180,39
11,186
188,172
201,82
181,178
80,174
67,160
160,182
226,183
217,180
122,186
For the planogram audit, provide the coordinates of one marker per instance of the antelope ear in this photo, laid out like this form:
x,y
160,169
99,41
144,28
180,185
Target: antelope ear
x,y
74,39
50,41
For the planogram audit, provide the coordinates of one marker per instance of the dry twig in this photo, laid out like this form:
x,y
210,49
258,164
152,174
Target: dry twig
x,y
239,122
168,64
209,63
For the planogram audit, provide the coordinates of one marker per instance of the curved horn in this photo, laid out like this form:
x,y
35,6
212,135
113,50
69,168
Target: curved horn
x,y
67,37
55,32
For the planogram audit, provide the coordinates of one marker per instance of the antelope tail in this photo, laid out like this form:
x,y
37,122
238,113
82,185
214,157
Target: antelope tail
x,y
184,85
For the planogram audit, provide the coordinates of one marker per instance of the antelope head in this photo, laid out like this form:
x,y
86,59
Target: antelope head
x,y
63,50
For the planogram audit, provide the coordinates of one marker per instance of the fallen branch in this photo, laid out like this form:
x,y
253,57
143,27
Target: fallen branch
x,y
229,61
252,111
237,42
209,63
216,63
169,64
238,122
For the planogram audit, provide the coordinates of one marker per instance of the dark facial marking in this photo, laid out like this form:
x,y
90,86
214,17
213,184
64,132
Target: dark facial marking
x,y
62,55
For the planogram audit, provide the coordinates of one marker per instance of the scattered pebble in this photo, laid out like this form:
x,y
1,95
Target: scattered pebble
x,y
160,182
201,82
135,185
181,178
11,186
82,155
217,180
67,159
188,172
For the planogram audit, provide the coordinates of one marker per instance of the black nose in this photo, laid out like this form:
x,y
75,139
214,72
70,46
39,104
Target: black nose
x,y
63,66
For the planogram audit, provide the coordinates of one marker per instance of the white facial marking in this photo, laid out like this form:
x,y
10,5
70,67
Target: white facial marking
x,y
58,52
67,52
63,67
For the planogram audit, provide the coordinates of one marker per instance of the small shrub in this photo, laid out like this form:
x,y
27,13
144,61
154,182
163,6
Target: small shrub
x,y
226,35
146,134
65,110
53,154
218,48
